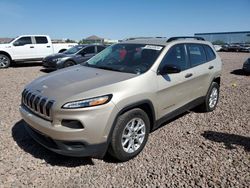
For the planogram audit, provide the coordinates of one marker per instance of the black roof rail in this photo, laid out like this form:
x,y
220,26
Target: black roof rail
x,y
134,38
184,37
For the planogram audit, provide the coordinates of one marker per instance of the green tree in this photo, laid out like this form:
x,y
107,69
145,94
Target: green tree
x,y
70,41
218,42
83,41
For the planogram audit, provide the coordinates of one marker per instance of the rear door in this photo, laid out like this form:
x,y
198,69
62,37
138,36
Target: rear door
x,y
42,46
23,48
174,90
200,68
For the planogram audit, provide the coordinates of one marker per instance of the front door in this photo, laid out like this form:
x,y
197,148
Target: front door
x,y
86,54
23,48
175,89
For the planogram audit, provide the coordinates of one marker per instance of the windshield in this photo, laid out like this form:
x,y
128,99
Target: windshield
x,y
74,49
130,58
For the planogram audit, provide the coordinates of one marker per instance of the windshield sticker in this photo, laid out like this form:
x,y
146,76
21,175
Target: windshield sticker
x,y
152,47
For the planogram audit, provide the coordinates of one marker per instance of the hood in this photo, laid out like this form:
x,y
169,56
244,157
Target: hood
x,y
72,81
2,46
59,55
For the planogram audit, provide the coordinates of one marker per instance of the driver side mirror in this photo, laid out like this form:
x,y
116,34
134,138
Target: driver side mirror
x,y
169,69
16,43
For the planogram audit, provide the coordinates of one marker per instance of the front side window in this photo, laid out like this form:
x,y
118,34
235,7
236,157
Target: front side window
x,y
41,40
196,54
130,58
23,41
176,56
89,50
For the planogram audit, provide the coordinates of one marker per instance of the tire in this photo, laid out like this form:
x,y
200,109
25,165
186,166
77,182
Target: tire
x,y
125,132
211,99
68,64
4,61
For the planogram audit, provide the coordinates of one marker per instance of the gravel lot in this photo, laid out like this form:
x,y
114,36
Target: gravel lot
x,y
196,150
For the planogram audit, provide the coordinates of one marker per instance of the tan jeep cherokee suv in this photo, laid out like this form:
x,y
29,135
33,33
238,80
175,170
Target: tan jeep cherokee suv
x,y
112,101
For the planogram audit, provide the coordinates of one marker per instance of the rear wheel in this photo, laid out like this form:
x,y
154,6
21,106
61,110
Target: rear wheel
x,y
130,134
211,99
4,61
69,63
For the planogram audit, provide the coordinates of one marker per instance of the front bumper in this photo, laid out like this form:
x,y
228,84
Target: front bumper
x,y
49,64
91,140
74,149
53,65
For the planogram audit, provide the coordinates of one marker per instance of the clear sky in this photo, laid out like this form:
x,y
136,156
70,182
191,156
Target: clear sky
x,y
118,19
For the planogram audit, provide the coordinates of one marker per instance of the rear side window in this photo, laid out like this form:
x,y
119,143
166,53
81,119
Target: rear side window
x,y
100,48
41,40
176,56
90,50
210,53
196,54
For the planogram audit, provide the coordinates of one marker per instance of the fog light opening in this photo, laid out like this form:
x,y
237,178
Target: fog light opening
x,y
73,124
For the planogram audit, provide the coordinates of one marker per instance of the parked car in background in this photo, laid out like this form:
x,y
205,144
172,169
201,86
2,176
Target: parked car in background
x,y
224,48
217,48
235,47
29,48
246,66
75,55
112,102
245,47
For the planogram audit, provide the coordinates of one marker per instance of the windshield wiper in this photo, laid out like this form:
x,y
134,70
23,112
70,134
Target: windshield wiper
x,y
101,67
108,68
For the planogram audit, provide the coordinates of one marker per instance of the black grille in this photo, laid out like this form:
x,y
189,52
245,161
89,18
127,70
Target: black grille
x,y
48,107
41,105
37,104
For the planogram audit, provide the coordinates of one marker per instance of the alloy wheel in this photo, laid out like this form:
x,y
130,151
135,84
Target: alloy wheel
x,y
133,135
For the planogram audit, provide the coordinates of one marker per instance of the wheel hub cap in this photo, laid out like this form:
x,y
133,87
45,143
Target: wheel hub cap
x,y
3,61
133,135
213,98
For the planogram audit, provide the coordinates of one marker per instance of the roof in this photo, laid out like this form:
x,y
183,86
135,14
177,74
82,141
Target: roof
x,y
160,41
93,37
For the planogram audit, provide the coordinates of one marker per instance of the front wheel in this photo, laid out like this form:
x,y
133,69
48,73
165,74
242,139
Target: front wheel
x,y
68,64
4,61
130,135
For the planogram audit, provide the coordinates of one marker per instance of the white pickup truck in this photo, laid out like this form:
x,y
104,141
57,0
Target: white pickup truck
x,y
29,48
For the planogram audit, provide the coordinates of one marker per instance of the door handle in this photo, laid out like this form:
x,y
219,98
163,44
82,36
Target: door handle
x,y
32,47
210,67
48,46
188,75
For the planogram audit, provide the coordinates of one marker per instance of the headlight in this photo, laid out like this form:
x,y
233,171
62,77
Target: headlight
x,y
57,59
88,102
